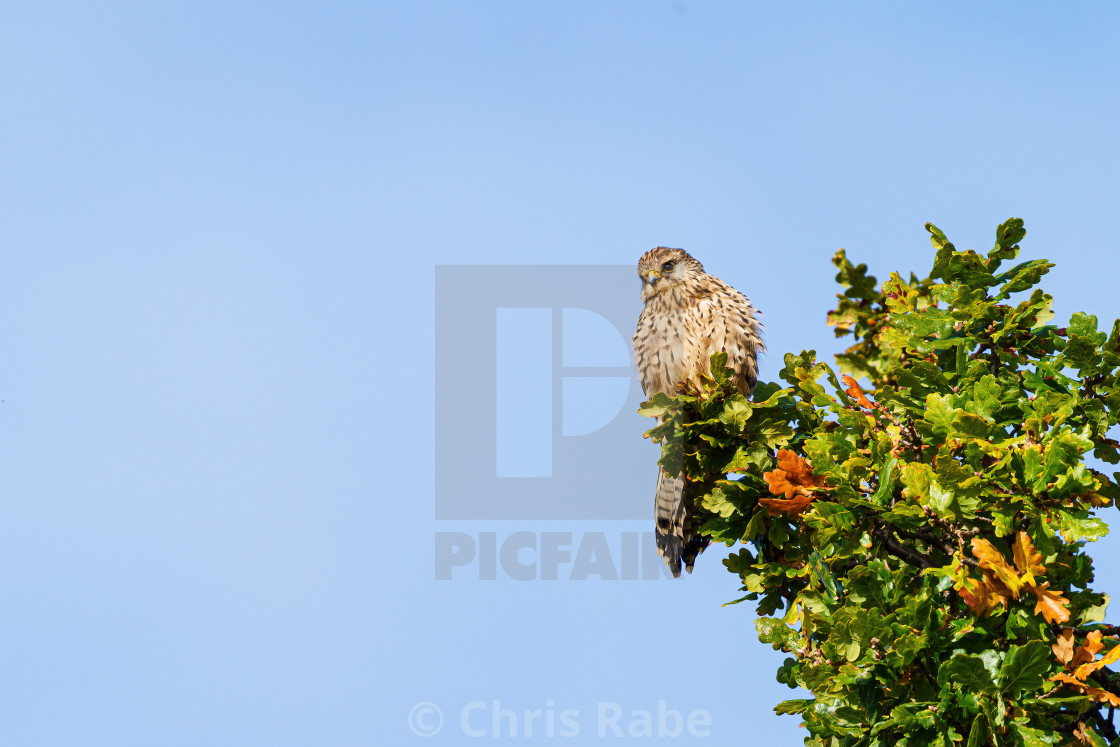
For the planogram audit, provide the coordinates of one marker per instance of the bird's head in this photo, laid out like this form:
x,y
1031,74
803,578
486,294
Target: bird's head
x,y
663,270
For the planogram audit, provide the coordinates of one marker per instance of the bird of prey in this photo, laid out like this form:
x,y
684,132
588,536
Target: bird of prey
x,y
689,315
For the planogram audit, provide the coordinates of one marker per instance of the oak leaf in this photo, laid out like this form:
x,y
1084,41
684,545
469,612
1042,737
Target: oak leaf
x,y
1051,604
794,480
775,506
1088,651
979,596
992,559
1088,668
1083,663
1095,694
1098,695
1063,649
982,596
1027,559
853,390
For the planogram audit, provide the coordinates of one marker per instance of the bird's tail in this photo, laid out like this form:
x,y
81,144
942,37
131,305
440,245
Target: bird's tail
x,y
678,536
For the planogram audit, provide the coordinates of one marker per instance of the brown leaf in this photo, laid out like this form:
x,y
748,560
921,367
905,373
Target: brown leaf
x,y
1002,594
793,506
983,597
1067,679
1095,694
1063,649
778,484
1085,662
1051,604
796,468
976,595
794,480
855,392
1102,696
1088,668
1095,499
1088,651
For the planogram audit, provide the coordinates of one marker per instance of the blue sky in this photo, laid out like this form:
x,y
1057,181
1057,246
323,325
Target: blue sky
x,y
219,226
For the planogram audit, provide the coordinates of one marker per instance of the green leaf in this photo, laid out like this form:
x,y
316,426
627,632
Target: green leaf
x,y
793,706
1085,325
969,671
915,715
1022,276
1077,526
1032,737
985,400
718,502
928,323
718,368
978,733
775,632
944,251
1096,612
736,412
940,414
658,405
871,584
886,480
1008,236
1025,668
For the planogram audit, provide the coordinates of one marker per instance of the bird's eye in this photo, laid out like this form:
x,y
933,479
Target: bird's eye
x,y
667,267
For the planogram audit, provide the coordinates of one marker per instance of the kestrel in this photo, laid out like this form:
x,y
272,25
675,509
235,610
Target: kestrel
x,y
689,315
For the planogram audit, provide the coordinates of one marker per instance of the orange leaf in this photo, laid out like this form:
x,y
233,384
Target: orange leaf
x,y
992,559
1051,604
779,485
1068,680
1085,670
1111,656
794,480
794,476
975,594
797,468
1088,651
775,506
1095,693
1027,559
855,392
984,596
997,589
1083,660
1063,649
1081,734
1102,696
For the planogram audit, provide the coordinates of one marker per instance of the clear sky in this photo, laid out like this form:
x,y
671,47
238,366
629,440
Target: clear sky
x,y
219,230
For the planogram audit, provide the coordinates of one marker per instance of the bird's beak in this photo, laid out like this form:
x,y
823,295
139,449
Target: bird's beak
x,y
653,277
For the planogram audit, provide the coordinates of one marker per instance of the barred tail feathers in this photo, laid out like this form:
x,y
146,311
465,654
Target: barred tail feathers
x,y
678,536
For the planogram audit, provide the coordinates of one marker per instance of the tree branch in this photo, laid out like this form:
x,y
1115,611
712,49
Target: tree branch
x,y
936,542
894,547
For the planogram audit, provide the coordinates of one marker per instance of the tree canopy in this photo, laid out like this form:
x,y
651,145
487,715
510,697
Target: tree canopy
x,y
913,522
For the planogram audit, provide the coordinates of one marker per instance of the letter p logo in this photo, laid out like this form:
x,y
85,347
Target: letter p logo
x,y
536,397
